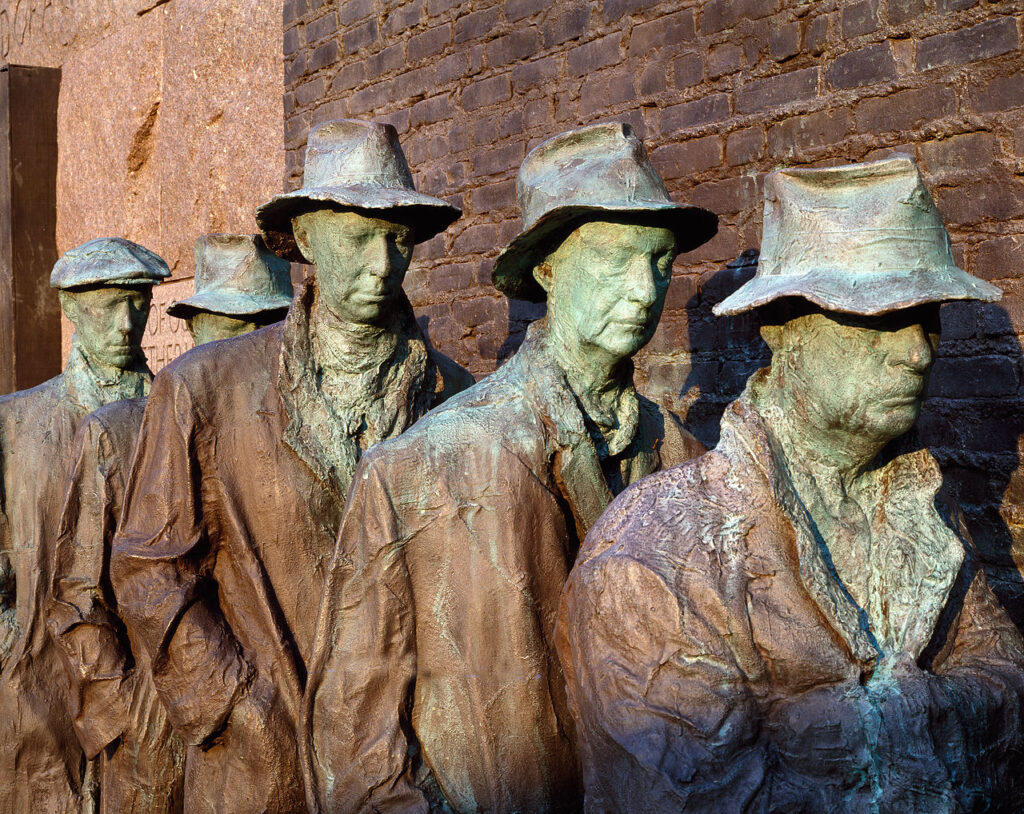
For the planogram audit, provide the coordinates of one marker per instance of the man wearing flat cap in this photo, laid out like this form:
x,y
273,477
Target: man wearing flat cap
x,y
105,290
244,459
435,681
797,621
240,286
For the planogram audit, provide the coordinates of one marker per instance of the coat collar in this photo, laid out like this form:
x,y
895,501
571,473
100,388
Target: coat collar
x,y
577,469
908,485
83,387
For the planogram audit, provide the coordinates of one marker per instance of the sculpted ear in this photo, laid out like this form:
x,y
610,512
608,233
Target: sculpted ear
x,y
302,238
542,274
772,336
69,305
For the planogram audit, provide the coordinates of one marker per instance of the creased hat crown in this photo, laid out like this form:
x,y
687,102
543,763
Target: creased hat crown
x,y
236,275
602,168
358,165
108,261
861,238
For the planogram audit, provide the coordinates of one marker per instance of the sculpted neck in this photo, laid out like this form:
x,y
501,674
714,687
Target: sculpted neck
x,y
338,343
598,379
810,440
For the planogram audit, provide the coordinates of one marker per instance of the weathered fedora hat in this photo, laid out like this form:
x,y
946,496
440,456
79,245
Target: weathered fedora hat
x,y
108,261
354,164
861,239
236,275
598,169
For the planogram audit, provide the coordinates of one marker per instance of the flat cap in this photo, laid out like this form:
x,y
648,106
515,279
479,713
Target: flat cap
x,y
108,261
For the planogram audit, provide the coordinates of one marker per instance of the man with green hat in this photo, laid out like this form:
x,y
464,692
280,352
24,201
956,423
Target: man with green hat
x,y
105,290
240,286
244,460
434,679
797,621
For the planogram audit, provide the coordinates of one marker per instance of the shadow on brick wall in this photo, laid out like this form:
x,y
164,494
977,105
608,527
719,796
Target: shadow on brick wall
x,y
724,351
973,421
520,314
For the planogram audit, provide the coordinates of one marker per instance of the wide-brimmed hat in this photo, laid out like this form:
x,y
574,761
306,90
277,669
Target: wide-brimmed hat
x,y
861,239
108,261
236,275
601,169
353,164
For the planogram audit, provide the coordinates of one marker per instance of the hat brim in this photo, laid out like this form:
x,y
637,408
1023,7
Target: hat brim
x,y
231,305
867,294
430,215
513,267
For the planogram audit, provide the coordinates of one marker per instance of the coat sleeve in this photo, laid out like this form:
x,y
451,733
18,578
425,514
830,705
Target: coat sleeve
x,y
161,570
359,692
81,614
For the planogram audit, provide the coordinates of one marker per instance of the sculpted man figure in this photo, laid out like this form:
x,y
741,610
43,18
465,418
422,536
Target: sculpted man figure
x,y
240,286
435,681
117,715
244,460
105,290
796,621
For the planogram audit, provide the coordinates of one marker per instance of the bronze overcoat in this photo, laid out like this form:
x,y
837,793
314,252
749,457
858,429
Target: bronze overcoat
x,y
113,703
41,763
715,663
434,677
230,519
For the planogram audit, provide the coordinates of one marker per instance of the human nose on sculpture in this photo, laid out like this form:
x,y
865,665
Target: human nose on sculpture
x,y
912,349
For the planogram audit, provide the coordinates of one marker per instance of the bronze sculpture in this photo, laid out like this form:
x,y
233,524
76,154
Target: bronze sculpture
x,y
105,290
434,683
117,715
796,621
244,459
239,286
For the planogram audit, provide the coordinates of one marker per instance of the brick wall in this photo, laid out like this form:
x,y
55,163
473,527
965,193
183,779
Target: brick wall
x,y
722,92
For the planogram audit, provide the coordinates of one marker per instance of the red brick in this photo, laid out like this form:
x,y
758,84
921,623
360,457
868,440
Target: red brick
x,y
361,36
536,74
667,31
486,92
603,91
865,66
401,19
479,238
998,94
784,41
324,55
499,195
514,47
350,11
495,160
474,25
902,11
744,146
970,153
707,109
294,69
430,43
987,39
688,70
430,110
594,55
808,132
309,92
570,24
293,9
995,200
718,15
614,9
815,34
369,99
726,197
386,60
413,84
859,18
290,41
452,67
724,59
904,110
322,27
999,257
348,76
776,91
686,158
652,79
537,113
518,9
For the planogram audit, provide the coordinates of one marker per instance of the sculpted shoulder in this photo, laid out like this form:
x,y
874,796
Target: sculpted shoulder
x,y
28,404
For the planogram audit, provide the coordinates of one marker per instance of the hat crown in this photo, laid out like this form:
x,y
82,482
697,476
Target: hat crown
x,y
242,264
111,260
866,218
603,165
347,152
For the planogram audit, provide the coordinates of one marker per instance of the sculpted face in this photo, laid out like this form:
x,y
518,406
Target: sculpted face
x,y
206,327
606,285
858,376
360,261
109,321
